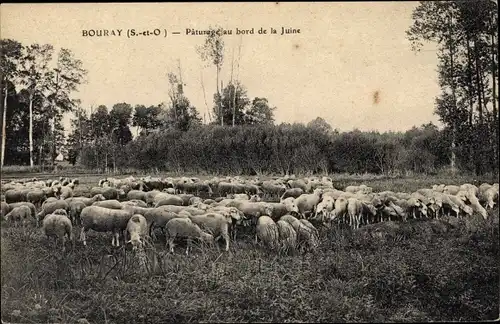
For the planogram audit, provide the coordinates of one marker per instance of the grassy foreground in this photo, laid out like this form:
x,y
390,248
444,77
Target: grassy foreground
x,y
432,270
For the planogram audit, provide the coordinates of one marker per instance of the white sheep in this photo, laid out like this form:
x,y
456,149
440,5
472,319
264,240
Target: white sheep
x,y
216,223
287,235
102,219
184,227
58,226
137,228
267,232
305,235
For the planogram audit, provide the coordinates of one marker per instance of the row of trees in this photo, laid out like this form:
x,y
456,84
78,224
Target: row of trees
x,y
285,148
36,91
466,34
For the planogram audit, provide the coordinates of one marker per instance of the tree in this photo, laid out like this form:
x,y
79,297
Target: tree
x,y
233,95
34,75
64,79
10,54
320,124
213,51
259,112
465,34
119,117
80,135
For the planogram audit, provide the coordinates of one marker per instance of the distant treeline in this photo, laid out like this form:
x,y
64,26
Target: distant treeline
x,y
286,148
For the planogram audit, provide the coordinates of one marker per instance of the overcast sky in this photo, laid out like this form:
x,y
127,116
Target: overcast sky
x,y
343,55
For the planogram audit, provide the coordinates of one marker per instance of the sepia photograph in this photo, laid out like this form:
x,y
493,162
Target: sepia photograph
x,y
249,162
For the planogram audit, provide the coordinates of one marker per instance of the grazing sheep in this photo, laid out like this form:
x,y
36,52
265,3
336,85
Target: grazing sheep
x,y
184,227
286,206
267,232
25,203
467,210
85,200
102,219
292,192
136,194
36,197
324,209
5,209
340,209
170,200
135,202
489,197
58,226
287,236
50,207
108,192
305,236
14,195
65,192
193,201
215,223
451,189
18,215
160,218
137,228
75,209
357,210
306,203
112,204
471,199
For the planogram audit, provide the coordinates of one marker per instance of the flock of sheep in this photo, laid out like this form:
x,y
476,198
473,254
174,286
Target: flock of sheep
x,y
283,213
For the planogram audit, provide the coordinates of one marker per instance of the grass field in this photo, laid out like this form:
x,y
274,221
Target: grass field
x,y
421,270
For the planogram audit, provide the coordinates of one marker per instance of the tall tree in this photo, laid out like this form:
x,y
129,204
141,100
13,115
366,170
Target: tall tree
x,y
120,117
34,75
436,22
9,56
64,79
212,51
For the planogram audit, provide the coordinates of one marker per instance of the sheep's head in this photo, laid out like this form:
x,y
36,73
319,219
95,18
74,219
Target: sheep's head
x,y
135,240
468,210
290,204
236,214
423,209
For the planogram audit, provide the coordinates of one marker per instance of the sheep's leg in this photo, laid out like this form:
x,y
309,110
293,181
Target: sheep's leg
x,y
64,244
188,245
170,244
226,239
82,236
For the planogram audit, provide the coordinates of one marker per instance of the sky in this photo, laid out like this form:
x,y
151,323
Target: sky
x,y
351,63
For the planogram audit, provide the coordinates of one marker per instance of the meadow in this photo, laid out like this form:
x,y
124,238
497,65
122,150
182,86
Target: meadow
x,y
419,270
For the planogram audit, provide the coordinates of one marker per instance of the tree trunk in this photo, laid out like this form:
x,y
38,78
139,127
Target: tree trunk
x,y
234,104
220,103
479,129
31,129
4,120
454,123
470,145
494,94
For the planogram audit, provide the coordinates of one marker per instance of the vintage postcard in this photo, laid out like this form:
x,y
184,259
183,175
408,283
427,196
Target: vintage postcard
x,y
249,162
